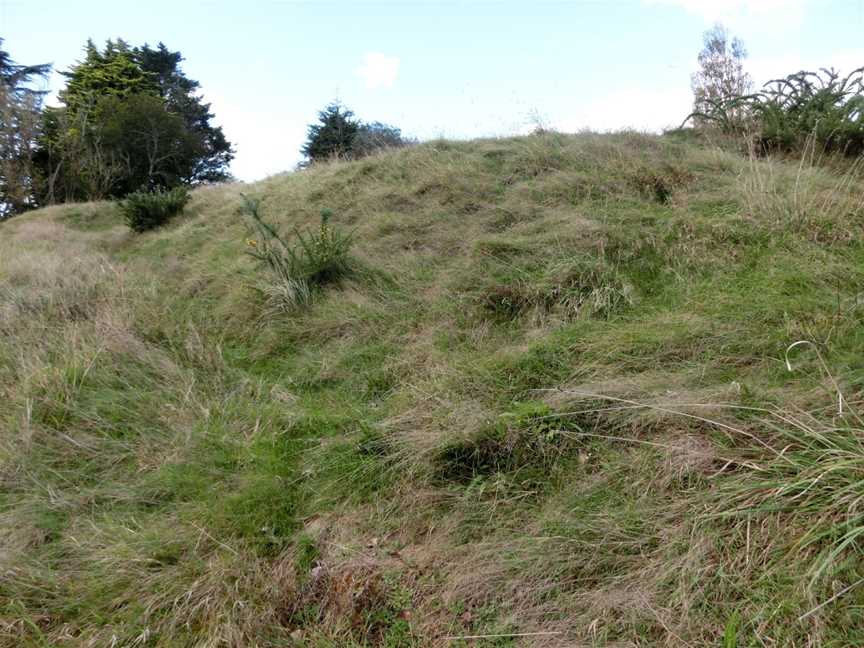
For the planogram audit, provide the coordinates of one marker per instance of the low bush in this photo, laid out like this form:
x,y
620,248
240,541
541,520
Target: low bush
x,y
146,210
660,184
375,137
314,258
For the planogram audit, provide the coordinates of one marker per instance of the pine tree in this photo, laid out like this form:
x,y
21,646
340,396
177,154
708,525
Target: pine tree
x,y
114,72
333,136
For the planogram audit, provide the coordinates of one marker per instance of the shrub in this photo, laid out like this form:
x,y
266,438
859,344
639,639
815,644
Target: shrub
x,y
788,112
314,258
823,105
146,210
376,136
660,184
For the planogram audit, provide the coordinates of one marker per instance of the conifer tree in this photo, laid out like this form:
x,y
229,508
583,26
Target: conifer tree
x,y
131,119
20,105
333,136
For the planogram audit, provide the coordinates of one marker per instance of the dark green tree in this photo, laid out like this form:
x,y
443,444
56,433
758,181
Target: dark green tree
x,y
20,106
375,137
17,78
337,134
151,147
180,93
131,120
112,72
333,136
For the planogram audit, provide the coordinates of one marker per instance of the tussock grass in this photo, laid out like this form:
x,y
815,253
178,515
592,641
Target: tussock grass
x,y
813,199
549,403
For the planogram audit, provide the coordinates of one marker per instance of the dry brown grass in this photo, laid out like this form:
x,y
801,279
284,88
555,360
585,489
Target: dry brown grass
x,y
824,204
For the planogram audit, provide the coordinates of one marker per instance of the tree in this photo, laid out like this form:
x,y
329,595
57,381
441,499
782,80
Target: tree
x,y
333,135
721,77
179,92
20,106
130,120
339,135
114,72
375,137
151,146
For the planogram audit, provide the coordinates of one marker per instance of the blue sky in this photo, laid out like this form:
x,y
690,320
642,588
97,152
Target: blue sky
x,y
453,69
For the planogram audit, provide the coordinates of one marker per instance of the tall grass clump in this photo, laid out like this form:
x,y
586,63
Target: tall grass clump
x,y
815,477
311,259
826,204
146,210
572,287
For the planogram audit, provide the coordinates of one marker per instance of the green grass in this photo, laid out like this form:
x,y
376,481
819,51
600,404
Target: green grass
x,y
551,396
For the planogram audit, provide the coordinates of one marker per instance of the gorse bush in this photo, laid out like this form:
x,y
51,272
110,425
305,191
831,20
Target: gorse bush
x,y
314,258
823,104
146,210
787,112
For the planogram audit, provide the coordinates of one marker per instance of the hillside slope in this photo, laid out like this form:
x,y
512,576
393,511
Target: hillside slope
x,y
551,407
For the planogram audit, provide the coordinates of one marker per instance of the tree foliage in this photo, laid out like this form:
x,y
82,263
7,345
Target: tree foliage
x,y
721,76
823,108
130,119
333,136
338,134
152,147
377,136
805,108
112,72
180,94
20,105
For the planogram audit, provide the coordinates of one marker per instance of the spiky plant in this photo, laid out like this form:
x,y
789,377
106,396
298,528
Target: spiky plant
x,y
311,258
787,111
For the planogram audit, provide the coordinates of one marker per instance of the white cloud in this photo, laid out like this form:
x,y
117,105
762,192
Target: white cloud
x,y
640,109
378,70
266,141
765,68
740,13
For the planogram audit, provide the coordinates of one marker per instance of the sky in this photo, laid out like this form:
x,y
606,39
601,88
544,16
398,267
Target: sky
x,y
439,69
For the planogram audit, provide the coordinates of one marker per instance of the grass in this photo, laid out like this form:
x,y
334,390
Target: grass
x,y
549,405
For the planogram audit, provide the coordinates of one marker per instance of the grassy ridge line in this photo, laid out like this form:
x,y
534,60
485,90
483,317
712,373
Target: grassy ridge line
x,y
429,450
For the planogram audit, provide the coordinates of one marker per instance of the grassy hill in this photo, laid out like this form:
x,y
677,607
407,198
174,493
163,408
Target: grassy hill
x,y
555,404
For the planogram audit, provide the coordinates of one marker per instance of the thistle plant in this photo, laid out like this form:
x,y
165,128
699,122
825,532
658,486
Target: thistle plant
x,y
310,259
